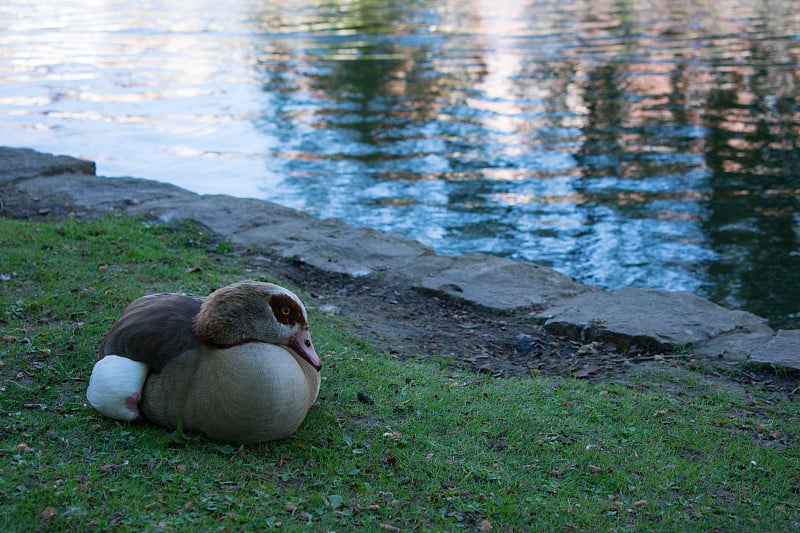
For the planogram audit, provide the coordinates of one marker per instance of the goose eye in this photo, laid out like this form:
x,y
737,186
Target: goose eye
x,y
285,309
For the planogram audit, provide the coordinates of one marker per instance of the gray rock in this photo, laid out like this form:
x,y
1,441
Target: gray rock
x,y
96,194
223,214
19,163
783,351
656,319
335,246
500,283
330,244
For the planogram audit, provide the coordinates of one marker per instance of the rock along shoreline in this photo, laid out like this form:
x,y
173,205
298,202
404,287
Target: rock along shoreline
x,y
36,185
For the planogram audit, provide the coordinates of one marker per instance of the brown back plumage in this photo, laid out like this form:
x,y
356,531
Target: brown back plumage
x,y
154,329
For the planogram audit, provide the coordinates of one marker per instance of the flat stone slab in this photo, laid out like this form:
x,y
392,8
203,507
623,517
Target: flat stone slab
x,y
87,192
20,163
783,351
334,246
331,244
500,283
656,319
225,215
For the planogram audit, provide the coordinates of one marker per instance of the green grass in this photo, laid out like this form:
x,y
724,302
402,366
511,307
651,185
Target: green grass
x,y
440,448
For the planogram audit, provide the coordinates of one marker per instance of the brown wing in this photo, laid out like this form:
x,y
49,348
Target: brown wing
x,y
154,329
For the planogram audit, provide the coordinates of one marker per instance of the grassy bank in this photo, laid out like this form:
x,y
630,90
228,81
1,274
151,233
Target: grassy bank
x,y
424,446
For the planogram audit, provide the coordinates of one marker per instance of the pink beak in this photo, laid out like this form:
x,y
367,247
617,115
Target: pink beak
x,y
301,344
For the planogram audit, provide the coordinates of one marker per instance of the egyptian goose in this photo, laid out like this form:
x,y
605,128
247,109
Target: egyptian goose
x,y
237,365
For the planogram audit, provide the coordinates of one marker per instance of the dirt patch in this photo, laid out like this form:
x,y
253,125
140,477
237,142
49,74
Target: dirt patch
x,y
407,322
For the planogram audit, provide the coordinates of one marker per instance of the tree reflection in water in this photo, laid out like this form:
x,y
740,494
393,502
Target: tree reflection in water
x,y
638,143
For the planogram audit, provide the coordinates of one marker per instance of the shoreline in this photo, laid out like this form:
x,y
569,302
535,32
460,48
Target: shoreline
x,y
40,186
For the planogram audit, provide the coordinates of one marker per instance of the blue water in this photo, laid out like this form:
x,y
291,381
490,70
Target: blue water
x,y
652,144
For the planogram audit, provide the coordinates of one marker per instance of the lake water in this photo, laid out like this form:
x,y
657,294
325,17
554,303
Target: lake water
x,y
626,143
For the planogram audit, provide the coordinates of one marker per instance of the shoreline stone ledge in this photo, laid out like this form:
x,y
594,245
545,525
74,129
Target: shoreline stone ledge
x,y
36,185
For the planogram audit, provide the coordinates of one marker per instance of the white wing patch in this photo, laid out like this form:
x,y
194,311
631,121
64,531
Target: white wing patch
x,y
115,387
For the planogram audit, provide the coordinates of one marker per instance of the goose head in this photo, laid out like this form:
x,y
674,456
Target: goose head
x,y
254,311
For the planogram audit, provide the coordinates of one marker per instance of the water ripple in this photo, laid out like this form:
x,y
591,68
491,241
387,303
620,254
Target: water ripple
x,y
638,143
